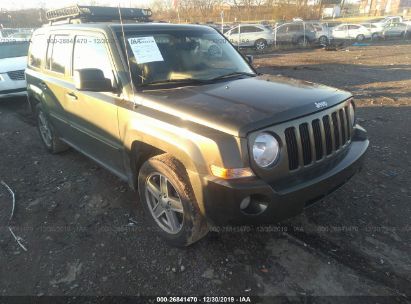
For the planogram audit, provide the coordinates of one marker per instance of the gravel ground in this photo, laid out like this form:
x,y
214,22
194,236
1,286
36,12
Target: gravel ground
x,y
85,232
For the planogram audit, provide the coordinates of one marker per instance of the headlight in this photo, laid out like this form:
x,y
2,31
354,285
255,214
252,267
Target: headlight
x,y
352,113
265,150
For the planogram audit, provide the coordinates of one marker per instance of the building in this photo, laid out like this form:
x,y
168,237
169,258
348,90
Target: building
x,y
385,7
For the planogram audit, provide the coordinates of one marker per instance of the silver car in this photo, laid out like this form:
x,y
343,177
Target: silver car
x,y
251,35
396,30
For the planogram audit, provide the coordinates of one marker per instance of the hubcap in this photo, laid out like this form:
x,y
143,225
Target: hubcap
x,y
44,129
164,203
260,45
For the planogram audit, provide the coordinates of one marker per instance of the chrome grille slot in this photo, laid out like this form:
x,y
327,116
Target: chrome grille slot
x,y
292,148
305,143
317,139
336,130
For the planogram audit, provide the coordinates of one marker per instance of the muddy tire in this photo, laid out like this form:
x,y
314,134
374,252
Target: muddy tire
x,y
47,132
169,202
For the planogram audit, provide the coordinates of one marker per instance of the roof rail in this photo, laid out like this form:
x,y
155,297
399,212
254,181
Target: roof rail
x,y
84,14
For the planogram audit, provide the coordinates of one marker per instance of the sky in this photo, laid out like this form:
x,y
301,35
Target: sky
x,y
22,4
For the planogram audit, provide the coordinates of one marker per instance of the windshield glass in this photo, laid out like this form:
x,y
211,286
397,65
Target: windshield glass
x,y
13,49
181,55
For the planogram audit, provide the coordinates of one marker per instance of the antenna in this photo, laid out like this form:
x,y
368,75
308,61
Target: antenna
x,y
127,56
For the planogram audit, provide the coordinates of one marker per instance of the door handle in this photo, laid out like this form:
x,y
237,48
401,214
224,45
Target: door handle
x,y
72,96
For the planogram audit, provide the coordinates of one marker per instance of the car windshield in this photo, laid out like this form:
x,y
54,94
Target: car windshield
x,y
11,49
182,56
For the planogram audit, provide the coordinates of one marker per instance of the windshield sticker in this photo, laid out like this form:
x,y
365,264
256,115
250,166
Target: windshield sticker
x,y
145,49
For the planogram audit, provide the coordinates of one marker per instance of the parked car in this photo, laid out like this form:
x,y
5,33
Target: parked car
x,y
300,33
21,35
395,30
250,35
322,32
205,139
347,31
387,20
13,62
376,29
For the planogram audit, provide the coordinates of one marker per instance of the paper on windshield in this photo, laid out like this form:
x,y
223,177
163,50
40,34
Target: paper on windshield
x,y
145,49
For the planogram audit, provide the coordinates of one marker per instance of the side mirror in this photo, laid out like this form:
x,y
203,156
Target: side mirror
x,y
92,80
250,58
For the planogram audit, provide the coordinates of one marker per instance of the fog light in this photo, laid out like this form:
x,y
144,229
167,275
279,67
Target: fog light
x,y
245,203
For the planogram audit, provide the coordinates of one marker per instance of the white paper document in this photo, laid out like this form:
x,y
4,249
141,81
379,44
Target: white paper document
x,y
145,49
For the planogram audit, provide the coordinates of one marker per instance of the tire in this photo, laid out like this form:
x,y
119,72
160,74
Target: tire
x,y
360,37
163,174
403,35
302,41
260,44
47,132
375,36
323,40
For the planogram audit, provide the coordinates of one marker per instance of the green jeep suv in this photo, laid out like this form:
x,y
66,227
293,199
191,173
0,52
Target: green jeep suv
x,y
182,116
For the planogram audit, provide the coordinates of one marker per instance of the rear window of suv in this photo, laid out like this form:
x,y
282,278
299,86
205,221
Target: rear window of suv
x,y
37,50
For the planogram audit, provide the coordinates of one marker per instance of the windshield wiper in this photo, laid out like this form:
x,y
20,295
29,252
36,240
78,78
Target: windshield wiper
x,y
232,74
174,81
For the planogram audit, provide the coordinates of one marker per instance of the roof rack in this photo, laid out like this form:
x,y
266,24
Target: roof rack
x,y
84,14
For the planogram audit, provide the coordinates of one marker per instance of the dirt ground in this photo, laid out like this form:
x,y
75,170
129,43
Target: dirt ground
x,y
86,235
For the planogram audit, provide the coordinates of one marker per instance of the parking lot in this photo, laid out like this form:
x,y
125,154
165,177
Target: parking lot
x,y
85,233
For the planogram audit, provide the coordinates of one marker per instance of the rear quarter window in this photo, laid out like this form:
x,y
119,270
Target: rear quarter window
x,y
37,51
58,53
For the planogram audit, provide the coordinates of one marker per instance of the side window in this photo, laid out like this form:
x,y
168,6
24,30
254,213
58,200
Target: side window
x,y
91,53
234,31
37,50
58,53
247,29
353,27
257,29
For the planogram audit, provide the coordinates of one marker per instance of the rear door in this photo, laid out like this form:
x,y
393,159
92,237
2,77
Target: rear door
x,y
93,115
54,83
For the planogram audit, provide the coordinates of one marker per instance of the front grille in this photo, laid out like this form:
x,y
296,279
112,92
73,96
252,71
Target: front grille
x,y
313,140
16,75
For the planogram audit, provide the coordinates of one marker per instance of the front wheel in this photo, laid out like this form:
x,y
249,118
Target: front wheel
x,y
260,44
169,202
360,37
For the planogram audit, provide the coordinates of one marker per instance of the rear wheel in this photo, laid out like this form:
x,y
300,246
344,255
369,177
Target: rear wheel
x,y
323,40
403,35
360,37
260,44
47,132
169,202
302,41
375,36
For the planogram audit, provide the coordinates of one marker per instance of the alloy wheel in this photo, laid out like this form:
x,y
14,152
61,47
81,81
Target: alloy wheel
x,y
164,203
44,128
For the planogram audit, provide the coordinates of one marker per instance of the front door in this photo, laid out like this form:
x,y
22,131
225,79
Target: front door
x,y
93,115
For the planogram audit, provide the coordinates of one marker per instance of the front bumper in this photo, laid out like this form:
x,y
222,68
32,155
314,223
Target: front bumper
x,y
222,198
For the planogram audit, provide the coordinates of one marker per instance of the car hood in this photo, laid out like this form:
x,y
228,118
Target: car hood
x,y
13,64
243,105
